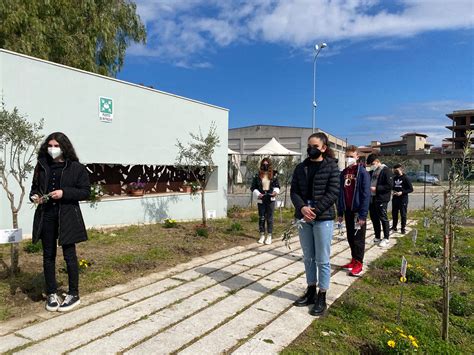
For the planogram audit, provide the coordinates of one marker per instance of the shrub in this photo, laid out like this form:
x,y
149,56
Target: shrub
x,y
232,211
459,305
235,227
31,248
395,341
466,261
433,251
416,274
202,231
170,223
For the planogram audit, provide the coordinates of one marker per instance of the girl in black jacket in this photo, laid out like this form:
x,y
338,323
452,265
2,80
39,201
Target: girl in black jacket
x,y
265,187
314,192
59,183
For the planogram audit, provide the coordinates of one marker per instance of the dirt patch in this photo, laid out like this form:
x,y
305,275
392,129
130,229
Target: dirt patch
x,y
121,255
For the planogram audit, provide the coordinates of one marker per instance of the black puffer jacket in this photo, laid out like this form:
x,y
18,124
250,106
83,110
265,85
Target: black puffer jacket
x,y
76,187
325,189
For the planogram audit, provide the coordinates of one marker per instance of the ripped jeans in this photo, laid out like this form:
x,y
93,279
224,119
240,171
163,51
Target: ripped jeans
x,y
315,239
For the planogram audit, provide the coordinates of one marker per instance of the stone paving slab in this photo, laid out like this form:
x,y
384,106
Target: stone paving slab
x,y
211,304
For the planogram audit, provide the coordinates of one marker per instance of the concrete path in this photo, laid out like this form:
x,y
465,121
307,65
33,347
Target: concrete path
x,y
238,301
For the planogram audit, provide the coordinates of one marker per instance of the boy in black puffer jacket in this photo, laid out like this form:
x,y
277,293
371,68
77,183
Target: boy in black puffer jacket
x,y
381,189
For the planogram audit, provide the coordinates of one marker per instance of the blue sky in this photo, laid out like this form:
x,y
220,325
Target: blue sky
x,y
390,67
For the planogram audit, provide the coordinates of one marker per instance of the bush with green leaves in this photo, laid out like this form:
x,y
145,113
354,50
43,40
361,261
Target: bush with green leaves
x,y
459,305
235,227
31,248
202,231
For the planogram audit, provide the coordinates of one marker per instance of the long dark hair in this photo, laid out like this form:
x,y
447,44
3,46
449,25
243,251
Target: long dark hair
x,y
325,140
270,168
64,143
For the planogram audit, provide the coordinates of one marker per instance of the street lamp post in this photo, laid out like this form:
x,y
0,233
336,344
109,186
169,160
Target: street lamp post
x,y
317,49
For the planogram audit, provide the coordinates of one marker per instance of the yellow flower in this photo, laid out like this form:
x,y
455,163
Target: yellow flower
x,y
414,343
412,338
403,335
403,279
388,331
399,329
391,343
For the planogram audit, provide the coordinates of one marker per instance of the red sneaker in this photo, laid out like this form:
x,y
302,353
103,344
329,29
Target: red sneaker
x,y
349,266
356,269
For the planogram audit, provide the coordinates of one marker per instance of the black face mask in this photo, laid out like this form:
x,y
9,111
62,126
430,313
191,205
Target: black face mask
x,y
313,153
265,167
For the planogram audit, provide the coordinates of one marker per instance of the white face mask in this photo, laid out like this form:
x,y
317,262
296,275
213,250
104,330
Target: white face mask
x,y
54,152
351,161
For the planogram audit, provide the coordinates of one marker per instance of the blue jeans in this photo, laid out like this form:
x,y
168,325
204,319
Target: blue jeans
x,y
315,239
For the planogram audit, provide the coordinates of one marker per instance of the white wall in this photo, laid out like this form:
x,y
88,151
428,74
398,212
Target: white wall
x,y
145,129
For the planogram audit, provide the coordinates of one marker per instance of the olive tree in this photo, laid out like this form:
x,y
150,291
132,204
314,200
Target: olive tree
x,y
19,141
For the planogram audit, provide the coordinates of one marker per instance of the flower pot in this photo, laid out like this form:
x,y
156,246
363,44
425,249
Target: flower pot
x,y
140,192
187,189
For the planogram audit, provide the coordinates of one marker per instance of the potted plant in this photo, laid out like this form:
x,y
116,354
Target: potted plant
x,y
136,188
187,188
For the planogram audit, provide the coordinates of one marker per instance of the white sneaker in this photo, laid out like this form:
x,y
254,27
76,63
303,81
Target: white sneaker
x,y
384,243
377,240
268,239
262,239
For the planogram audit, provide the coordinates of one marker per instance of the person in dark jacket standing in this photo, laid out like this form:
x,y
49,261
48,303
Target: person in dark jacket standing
x,y
401,188
59,183
314,192
381,182
353,204
265,187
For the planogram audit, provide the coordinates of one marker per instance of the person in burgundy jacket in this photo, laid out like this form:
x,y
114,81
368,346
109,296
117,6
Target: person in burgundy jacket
x,y
353,204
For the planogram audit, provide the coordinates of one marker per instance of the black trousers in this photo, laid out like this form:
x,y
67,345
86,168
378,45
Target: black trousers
x,y
49,239
378,215
265,214
355,238
399,205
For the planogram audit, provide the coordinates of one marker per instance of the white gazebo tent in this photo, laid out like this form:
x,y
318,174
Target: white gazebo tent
x,y
273,147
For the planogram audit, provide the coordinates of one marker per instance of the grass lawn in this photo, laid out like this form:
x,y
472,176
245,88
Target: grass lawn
x,y
364,319
124,254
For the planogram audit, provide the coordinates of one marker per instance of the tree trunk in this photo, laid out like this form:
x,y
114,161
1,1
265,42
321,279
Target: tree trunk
x,y
14,249
286,193
203,207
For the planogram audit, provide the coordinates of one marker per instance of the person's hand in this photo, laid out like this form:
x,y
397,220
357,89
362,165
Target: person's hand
x,y
56,194
339,219
373,188
274,194
361,222
308,214
36,199
260,196
399,193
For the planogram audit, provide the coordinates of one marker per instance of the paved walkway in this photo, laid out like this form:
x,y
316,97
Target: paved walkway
x,y
238,300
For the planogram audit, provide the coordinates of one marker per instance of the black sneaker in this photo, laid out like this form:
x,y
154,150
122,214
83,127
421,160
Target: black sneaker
x,y
52,302
69,303
403,231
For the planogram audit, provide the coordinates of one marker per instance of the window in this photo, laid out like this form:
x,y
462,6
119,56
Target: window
x,y
115,179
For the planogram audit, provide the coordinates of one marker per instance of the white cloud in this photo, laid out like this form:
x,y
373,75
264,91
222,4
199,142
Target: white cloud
x,y
183,29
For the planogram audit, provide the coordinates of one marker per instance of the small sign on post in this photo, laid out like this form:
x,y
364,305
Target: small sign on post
x,y
415,235
106,109
403,280
8,236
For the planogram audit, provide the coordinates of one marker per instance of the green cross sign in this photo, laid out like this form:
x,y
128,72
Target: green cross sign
x,y
106,105
106,109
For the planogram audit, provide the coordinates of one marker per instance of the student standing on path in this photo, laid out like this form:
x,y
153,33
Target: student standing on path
x,y
58,219
353,204
314,192
265,187
401,188
381,189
